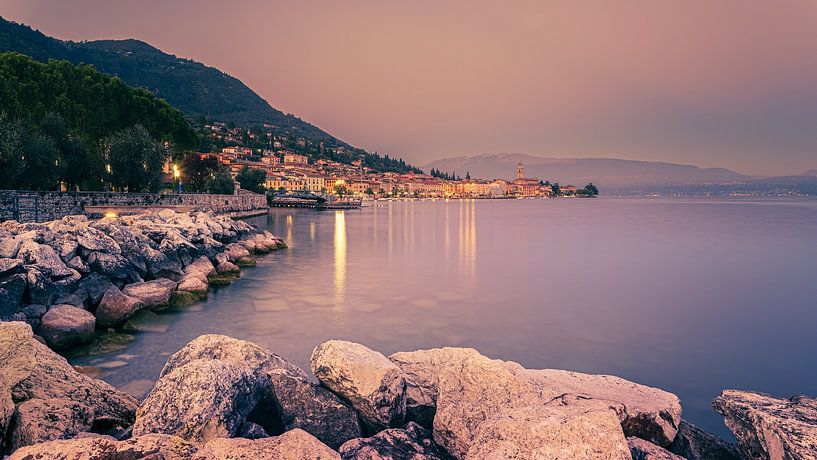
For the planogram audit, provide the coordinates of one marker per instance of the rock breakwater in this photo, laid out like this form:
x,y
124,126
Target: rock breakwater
x,y
223,398
71,277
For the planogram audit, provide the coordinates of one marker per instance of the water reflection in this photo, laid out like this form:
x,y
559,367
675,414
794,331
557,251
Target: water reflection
x,y
340,258
468,237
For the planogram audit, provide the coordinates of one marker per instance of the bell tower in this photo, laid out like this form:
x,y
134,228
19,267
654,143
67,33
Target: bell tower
x,y
519,173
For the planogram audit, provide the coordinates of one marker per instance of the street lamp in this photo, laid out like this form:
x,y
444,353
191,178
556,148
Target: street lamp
x,y
177,177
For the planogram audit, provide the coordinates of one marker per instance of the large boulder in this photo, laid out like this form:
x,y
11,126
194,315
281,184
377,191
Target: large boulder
x,y
645,450
40,420
422,370
472,391
201,267
296,402
153,294
693,443
64,326
10,265
116,307
113,266
199,401
770,428
648,413
45,258
91,239
412,441
294,444
152,446
162,264
94,286
52,377
566,432
235,251
368,380
12,288
16,363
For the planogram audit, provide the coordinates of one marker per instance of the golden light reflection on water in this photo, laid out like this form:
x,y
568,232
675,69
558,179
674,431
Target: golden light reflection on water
x,y
289,229
312,231
468,236
340,258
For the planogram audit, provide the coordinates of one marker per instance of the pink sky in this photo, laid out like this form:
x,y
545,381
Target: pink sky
x,y
728,83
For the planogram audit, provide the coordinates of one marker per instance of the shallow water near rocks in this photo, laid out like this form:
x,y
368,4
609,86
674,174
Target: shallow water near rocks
x,y
689,296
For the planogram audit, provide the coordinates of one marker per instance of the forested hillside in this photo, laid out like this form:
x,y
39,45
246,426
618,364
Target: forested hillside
x,y
63,123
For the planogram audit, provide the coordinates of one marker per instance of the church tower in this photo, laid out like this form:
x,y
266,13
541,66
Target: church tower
x,y
519,173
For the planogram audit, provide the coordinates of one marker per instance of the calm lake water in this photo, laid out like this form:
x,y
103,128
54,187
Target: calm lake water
x,y
688,296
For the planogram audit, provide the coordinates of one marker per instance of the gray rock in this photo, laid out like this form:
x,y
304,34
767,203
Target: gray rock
x,y
250,430
10,246
10,265
645,450
153,294
235,251
78,264
694,443
115,308
550,432
44,374
94,240
295,401
199,401
40,287
162,264
770,428
226,268
16,363
12,288
113,266
294,444
45,258
64,326
40,420
648,413
194,284
201,267
96,447
95,286
371,383
34,312
410,442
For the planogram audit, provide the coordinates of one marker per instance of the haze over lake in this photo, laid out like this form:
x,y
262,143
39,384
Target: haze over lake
x,y
688,296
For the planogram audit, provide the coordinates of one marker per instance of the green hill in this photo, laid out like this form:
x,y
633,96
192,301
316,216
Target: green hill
x,y
195,89
91,103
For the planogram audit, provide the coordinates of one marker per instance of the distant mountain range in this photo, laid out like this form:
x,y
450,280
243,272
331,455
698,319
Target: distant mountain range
x,y
627,176
192,87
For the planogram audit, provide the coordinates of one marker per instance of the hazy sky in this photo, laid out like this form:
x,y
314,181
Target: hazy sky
x,y
710,82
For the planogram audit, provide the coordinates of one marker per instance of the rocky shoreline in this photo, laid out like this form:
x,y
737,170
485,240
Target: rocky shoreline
x,y
71,277
223,398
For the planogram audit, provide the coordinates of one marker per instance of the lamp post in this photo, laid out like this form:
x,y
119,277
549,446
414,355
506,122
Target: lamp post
x,y
177,177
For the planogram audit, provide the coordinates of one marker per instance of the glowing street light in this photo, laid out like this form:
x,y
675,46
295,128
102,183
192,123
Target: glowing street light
x,y
177,176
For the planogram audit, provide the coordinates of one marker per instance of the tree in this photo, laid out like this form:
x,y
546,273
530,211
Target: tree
x,y
555,187
12,162
221,183
591,189
199,171
251,179
134,160
369,191
41,164
341,190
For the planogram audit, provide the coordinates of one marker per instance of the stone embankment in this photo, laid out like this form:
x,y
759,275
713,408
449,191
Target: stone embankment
x,y
223,398
71,277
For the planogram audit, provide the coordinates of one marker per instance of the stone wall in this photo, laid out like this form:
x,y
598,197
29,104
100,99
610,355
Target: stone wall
x,y
35,206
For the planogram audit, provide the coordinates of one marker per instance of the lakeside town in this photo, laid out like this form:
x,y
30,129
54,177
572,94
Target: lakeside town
x,y
288,168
